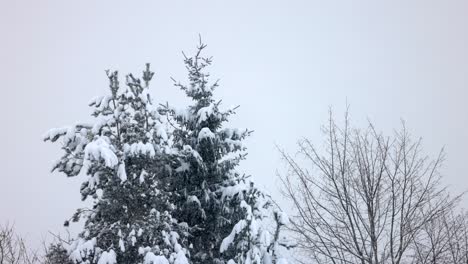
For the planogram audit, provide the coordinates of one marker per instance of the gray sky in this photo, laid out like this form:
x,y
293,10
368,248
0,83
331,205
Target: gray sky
x,y
284,62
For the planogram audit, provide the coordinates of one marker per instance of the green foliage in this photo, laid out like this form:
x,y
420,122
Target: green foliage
x,y
163,181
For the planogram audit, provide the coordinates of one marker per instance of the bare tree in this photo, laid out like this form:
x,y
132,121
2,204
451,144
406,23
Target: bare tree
x,y
365,198
13,249
457,228
443,240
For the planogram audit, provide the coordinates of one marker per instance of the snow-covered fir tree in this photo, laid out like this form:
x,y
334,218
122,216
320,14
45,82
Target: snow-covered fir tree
x,y
125,156
231,221
163,182
56,253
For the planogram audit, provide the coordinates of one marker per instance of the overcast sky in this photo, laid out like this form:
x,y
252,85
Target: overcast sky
x,y
283,62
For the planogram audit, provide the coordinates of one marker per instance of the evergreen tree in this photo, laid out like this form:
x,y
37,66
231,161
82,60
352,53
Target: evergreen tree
x,y
56,254
229,218
164,183
124,154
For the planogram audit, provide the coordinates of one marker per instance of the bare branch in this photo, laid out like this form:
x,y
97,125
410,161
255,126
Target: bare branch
x,y
370,199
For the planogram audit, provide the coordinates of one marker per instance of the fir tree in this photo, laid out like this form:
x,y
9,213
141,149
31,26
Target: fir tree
x,y
56,254
124,156
229,218
164,183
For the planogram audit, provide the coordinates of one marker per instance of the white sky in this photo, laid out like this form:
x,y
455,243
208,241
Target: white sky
x,y
284,62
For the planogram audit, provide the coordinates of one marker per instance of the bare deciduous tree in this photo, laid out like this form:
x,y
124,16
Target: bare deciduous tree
x,y
366,198
443,240
13,249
